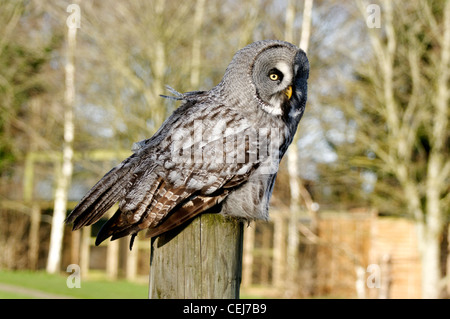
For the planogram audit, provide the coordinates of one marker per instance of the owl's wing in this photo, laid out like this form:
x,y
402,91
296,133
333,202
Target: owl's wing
x,y
103,195
158,191
226,163
197,205
167,203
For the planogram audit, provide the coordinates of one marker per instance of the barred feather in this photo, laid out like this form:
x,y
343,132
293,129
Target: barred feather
x,y
206,154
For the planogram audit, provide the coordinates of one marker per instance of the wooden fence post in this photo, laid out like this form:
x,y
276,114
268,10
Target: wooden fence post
x,y
249,246
132,262
33,239
202,261
85,249
279,249
112,259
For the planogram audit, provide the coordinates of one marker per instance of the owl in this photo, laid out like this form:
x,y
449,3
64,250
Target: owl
x,y
218,152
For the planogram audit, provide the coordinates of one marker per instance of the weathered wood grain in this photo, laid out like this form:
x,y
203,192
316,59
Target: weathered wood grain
x,y
202,261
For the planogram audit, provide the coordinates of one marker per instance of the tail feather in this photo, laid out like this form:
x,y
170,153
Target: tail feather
x,y
101,197
116,227
109,228
185,213
98,208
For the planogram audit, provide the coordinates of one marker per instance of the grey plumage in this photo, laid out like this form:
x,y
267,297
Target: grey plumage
x,y
219,150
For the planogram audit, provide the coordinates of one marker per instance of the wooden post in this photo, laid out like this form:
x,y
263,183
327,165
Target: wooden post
x,y
112,259
386,277
112,253
33,239
85,249
132,262
249,246
204,260
279,250
265,253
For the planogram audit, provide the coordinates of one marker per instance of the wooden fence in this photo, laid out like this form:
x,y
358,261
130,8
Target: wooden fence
x,y
354,255
335,262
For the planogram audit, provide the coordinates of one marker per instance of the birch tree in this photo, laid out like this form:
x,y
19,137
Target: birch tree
x,y
399,102
196,44
297,189
65,174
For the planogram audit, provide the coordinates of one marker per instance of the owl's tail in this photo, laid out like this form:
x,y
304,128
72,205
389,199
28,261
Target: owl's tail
x,y
187,212
101,197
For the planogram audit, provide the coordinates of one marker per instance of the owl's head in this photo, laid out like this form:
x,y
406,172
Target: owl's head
x,y
271,73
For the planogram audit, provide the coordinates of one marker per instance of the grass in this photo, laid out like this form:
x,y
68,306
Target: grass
x,y
10,295
96,287
56,285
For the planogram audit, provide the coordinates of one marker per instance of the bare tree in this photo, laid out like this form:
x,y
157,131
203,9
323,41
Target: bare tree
x,y
65,174
196,45
294,184
297,189
400,102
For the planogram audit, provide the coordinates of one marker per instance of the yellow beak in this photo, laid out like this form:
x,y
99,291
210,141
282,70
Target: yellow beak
x,y
288,92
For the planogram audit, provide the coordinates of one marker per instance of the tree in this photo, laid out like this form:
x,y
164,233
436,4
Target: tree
x,y
22,79
398,101
297,189
65,174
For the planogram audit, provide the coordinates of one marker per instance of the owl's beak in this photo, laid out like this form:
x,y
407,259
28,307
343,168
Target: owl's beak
x,y
288,92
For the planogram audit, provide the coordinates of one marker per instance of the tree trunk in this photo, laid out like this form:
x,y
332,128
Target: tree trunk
x,y
248,260
435,182
306,25
423,190
204,260
294,183
196,44
65,176
159,68
431,270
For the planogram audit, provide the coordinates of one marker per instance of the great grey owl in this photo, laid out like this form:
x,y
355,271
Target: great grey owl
x,y
218,151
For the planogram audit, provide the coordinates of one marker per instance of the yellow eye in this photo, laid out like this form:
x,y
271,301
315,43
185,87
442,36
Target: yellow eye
x,y
274,77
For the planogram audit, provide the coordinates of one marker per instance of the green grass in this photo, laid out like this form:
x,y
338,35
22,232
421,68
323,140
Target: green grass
x,y
10,295
56,285
96,287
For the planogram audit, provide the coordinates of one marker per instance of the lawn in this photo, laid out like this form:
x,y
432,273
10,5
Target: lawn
x,y
29,284
38,284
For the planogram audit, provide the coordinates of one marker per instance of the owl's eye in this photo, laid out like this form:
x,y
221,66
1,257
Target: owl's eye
x,y
275,75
